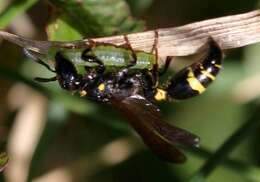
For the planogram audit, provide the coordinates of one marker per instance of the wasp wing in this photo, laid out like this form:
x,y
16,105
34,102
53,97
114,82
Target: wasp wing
x,y
160,136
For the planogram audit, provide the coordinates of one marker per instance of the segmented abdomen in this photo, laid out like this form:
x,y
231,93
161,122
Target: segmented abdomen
x,y
194,79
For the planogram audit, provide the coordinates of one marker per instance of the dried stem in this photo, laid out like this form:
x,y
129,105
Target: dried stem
x,y
229,31
222,153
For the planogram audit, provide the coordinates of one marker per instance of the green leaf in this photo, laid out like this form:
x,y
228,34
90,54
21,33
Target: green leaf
x,y
14,9
72,20
138,6
59,28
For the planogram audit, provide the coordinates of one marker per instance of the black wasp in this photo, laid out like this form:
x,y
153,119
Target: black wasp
x,y
134,91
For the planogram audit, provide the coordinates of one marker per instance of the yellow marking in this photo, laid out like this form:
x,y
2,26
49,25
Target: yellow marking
x,y
160,94
194,82
217,65
190,73
82,93
101,87
208,74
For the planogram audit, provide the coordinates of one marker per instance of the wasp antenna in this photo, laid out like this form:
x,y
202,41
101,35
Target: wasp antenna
x,y
41,47
31,55
39,79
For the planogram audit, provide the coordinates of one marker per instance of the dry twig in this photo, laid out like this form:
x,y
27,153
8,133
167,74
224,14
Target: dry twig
x,y
229,31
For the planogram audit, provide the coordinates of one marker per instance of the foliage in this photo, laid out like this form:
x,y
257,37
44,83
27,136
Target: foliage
x,y
78,130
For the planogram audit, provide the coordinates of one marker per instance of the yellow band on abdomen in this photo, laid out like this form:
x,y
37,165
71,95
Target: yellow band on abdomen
x,y
208,74
194,83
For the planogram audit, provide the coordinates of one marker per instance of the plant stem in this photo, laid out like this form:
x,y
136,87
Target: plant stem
x,y
249,171
221,154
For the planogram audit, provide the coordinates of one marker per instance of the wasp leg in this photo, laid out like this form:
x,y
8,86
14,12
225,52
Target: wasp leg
x,y
93,75
127,45
166,65
122,74
160,94
93,59
90,79
155,66
194,79
144,80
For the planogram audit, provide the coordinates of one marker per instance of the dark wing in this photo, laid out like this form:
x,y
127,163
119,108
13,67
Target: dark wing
x,y
159,135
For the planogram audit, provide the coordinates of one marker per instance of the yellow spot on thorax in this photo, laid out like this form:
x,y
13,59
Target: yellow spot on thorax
x,y
194,82
82,93
160,95
101,87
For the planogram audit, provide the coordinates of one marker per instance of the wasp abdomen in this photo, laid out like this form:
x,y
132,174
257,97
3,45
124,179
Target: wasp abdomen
x,y
194,79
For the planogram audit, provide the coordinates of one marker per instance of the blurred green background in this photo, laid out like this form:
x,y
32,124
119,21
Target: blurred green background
x,y
51,135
